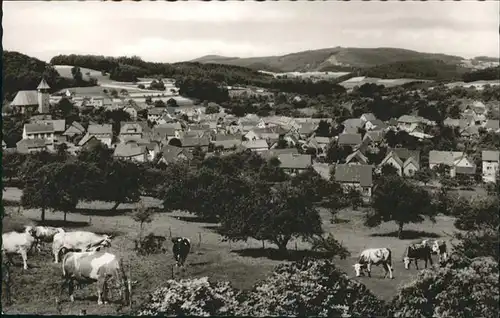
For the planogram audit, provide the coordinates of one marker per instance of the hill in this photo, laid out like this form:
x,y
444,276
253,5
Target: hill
x,y
23,72
328,59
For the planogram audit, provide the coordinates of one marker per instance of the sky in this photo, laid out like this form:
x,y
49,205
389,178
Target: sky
x,y
181,31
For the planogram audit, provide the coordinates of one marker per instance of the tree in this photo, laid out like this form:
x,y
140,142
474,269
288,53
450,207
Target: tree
x,y
159,103
448,291
323,129
141,86
424,175
281,144
212,108
142,215
388,204
389,170
278,217
77,74
121,183
114,93
172,102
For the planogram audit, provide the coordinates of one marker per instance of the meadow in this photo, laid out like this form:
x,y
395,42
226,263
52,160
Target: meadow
x,y
241,263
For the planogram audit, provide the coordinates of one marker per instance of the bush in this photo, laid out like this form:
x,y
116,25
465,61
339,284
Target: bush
x,y
464,288
194,297
310,288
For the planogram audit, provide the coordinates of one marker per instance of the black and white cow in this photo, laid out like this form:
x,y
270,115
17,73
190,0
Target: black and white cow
x,y
439,247
417,251
181,248
374,256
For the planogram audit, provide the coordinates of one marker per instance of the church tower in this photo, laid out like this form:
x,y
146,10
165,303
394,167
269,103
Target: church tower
x,y
43,97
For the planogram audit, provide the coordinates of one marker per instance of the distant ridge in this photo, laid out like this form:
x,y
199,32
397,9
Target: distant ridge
x,y
329,59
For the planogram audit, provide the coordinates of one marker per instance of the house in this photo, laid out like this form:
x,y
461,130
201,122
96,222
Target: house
x,y
406,162
490,160
132,109
256,145
59,128
352,125
307,129
171,154
275,153
492,125
27,102
226,145
130,130
103,133
131,151
409,123
451,159
375,124
43,132
351,140
28,146
75,129
374,137
460,123
357,157
88,141
359,177
165,132
155,113
367,117
294,163
190,143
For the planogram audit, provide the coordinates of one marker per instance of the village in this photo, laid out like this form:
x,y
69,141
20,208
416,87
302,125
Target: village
x,y
166,134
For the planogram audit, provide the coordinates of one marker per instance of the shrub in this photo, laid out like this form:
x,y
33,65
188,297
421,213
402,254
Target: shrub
x,y
464,288
310,288
194,297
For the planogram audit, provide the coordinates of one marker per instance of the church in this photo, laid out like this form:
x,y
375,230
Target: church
x,y
29,102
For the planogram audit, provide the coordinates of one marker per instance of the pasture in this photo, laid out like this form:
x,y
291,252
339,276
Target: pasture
x,y
241,263
65,71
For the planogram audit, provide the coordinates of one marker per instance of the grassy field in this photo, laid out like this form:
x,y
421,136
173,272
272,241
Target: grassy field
x,y
242,263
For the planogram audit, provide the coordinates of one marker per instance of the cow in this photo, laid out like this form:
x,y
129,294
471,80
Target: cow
x,y
45,234
439,247
78,241
374,256
181,248
90,267
417,251
20,243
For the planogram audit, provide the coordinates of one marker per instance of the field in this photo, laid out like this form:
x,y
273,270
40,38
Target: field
x,y
65,71
242,263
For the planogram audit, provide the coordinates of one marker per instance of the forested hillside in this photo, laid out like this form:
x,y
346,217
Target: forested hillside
x,y
488,74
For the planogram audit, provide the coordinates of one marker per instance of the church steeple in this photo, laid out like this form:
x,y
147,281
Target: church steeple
x,y
43,97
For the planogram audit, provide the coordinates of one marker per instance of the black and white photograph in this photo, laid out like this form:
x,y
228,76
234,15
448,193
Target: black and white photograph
x,y
251,158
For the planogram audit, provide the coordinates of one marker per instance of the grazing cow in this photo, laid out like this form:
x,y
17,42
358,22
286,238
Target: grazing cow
x,y
20,243
374,256
439,247
45,234
79,241
182,246
90,267
417,251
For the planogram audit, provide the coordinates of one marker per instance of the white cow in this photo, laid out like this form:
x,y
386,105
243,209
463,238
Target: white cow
x,y
78,241
18,243
45,234
374,256
439,247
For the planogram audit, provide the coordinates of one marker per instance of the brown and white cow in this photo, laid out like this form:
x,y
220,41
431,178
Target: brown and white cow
x,y
18,243
79,241
90,267
45,234
417,251
374,256
439,247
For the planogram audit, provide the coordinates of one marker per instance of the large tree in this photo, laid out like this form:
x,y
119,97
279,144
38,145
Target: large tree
x,y
398,200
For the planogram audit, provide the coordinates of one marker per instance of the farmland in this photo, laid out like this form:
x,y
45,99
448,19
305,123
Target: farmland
x,y
241,263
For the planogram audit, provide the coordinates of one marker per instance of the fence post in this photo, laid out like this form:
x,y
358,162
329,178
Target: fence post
x,y
130,288
263,246
296,246
199,239
7,282
172,270
169,232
